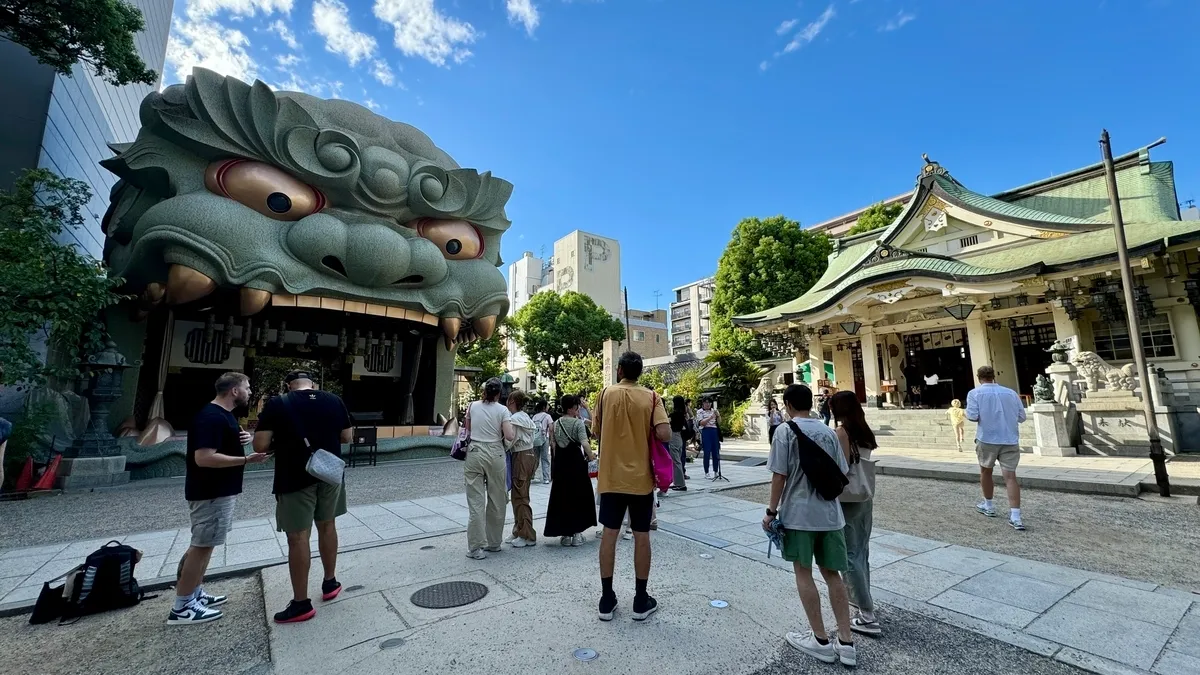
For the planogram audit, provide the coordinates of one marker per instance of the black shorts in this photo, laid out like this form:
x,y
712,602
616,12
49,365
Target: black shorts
x,y
613,506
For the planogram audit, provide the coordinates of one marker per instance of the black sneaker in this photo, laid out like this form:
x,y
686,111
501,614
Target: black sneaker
x,y
679,488
297,611
330,589
608,604
643,607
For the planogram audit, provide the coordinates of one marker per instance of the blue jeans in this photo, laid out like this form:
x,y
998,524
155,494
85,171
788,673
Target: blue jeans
x,y
710,440
543,455
858,548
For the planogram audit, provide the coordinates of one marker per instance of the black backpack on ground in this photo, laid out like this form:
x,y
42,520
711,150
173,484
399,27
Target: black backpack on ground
x,y
104,581
824,474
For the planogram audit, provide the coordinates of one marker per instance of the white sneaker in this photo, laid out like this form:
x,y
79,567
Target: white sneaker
x,y
518,542
477,554
707,476
192,613
626,534
577,540
209,600
807,643
847,654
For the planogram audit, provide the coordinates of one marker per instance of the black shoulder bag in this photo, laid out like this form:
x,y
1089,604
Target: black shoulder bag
x,y
823,472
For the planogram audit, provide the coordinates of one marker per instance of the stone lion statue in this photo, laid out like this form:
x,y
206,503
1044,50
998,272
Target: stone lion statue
x,y
1093,368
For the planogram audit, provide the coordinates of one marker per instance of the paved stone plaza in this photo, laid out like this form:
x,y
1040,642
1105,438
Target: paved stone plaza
x,y
1099,622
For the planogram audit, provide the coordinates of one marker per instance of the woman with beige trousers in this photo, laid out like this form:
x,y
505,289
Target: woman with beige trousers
x,y
490,430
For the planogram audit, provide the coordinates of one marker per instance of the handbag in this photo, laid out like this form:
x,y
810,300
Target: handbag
x,y
861,479
322,464
661,464
459,449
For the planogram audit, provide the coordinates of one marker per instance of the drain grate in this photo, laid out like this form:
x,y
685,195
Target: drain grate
x,y
449,594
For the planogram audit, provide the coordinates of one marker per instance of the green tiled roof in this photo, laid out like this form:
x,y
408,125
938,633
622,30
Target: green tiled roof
x,y
1147,195
1017,212
1035,257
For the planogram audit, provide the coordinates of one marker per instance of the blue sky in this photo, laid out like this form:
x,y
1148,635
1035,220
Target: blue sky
x,y
661,123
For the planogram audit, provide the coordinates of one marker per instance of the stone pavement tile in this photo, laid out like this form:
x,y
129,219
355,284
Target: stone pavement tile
x,y
754,515
368,510
23,594
433,523
387,521
251,551
218,557
905,542
1030,594
251,522
959,560
355,535
1187,636
7,585
914,581
881,554
252,533
677,516
701,500
742,538
714,524
23,567
461,498
982,608
1178,593
1175,663
1120,638
406,531
143,536
439,505
49,571
1155,608
709,539
407,509
761,556
1095,664
48,551
80,549
149,567
1054,574
880,532
699,512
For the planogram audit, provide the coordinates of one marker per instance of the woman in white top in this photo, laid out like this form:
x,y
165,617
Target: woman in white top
x,y
707,419
488,424
857,441
524,465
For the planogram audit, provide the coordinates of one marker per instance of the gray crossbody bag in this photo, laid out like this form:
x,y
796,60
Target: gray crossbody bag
x,y
322,464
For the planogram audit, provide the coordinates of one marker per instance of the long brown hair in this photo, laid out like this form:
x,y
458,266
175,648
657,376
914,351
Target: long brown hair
x,y
848,413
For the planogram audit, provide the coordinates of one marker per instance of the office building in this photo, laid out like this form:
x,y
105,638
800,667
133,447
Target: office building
x,y
65,124
690,326
648,334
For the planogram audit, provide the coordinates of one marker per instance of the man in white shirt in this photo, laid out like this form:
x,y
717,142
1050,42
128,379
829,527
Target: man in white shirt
x,y
999,411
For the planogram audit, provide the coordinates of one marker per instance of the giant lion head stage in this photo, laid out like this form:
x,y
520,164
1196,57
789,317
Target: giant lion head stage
x,y
277,223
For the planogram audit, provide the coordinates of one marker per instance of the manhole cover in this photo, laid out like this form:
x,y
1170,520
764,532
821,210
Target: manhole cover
x,y
426,548
391,643
449,594
356,587
586,654
719,604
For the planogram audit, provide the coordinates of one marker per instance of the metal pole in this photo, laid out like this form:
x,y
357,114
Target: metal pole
x,y
627,336
1157,457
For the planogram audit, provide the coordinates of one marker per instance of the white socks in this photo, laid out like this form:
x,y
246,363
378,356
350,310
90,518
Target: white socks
x,y
987,503
1014,514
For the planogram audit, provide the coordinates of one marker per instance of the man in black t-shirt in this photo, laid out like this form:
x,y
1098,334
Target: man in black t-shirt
x,y
301,499
216,459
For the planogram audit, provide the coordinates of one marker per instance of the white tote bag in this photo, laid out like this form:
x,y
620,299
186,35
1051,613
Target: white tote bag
x,y
861,487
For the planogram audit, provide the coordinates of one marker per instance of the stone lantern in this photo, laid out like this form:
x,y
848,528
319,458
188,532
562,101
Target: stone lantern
x,y
94,459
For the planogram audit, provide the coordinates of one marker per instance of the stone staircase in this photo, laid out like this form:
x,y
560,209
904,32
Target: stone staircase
x,y
928,430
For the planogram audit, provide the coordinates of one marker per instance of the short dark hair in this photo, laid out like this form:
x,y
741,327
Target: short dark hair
x,y
630,365
491,389
518,397
227,382
569,401
986,373
798,396
541,405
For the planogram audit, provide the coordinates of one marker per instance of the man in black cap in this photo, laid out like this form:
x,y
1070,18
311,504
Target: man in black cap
x,y
301,499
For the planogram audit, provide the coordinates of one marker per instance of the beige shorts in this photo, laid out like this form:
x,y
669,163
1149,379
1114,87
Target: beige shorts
x,y
989,453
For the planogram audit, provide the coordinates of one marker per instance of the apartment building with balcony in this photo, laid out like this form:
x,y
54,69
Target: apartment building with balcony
x,y
690,327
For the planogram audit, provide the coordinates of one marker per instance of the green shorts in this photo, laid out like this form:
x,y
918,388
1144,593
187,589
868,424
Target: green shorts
x,y
827,548
296,511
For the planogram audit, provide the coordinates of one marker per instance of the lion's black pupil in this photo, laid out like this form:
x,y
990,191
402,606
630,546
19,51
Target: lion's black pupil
x,y
279,202
453,247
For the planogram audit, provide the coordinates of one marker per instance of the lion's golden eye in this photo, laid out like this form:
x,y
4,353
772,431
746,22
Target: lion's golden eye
x,y
458,239
264,188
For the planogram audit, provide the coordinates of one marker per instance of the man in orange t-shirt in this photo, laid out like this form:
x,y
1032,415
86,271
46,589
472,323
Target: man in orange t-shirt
x,y
625,416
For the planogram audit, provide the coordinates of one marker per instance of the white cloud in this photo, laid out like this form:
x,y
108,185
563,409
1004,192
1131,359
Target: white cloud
x,y
287,60
523,12
421,30
206,44
289,38
370,103
810,31
383,72
764,65
786,26
331,19
897,22
238,8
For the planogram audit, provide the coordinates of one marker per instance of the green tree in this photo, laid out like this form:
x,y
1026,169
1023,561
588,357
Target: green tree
x,y
736,375
46,286
60,33
488,355
875,217
551,328
582,372
689,385
653,379
767,262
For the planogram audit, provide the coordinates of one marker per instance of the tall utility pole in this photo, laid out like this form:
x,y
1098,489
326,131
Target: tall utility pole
x,y
657,295
1157,457
627,336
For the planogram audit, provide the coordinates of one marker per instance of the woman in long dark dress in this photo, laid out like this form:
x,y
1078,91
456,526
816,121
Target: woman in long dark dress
x,y
572,507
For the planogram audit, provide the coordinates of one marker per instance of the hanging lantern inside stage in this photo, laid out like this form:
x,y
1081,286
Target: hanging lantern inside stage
x,y
1192,286
311,342
1028,321
210,327
262,333
228,337
281,338
997,303
343,342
